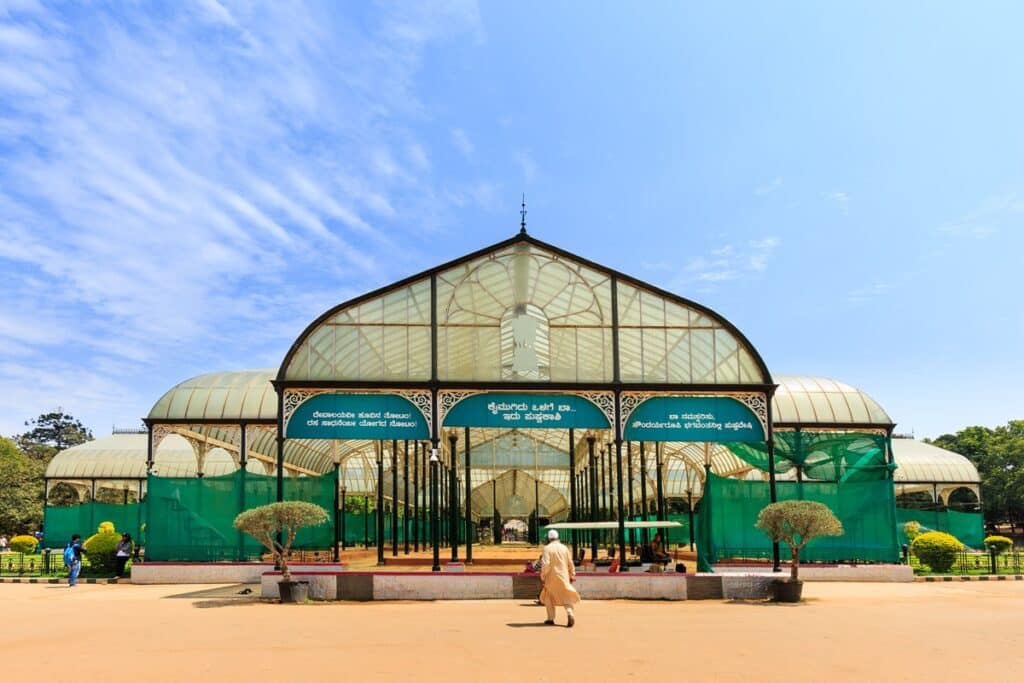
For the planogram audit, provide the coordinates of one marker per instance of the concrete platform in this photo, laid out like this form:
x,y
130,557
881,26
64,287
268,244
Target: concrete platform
x,y
367,586
212,572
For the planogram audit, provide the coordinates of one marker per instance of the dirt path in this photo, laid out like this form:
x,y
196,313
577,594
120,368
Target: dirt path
x,y
861,632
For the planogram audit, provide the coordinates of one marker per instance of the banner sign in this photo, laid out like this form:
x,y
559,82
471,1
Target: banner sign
x,y
357,416
526,411
693,418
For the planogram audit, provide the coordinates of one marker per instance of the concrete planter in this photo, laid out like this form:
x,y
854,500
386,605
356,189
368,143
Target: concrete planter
x,y
786,590
293,592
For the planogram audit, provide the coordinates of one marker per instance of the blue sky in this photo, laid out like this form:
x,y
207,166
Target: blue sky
x,y
184,186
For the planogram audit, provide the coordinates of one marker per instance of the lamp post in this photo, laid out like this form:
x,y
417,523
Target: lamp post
x,y
434,540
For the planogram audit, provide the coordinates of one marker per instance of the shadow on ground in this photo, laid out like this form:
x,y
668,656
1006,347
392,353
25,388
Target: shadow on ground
x,y
234,595
771,603
228,602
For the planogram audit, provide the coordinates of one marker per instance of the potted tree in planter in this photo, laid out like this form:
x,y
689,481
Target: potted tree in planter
x,y
275,526
796,523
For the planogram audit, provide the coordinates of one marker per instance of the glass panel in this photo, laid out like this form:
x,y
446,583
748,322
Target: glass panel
x,y
726,347
804,408
679,369
703,353
629,304
630,364
750,371
654,355
822,408
524,303
371,340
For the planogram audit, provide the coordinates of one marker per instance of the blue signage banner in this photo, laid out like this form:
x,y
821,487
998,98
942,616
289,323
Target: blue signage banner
x,y
526,411
715,419
357,416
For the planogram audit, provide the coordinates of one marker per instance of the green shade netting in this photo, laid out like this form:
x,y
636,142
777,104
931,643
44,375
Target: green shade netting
x,y
730,509
823,456
191,519
968,527
59,523
319,491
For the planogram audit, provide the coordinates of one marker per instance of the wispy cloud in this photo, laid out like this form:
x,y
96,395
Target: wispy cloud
x,y
462,143
864,294
769,187
171,182
990,217
527,165
728,262
841,199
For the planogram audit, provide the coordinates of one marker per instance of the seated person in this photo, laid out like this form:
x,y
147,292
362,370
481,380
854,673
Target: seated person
x,y
658,549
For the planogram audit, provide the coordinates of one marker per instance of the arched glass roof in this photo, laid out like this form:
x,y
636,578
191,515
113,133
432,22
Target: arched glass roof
x,y
523,311
223,396
123,456
803,400
921,462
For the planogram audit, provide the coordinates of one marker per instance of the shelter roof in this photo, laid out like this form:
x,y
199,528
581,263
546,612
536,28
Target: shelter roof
x,y
124,456
805,400
220,396
921,462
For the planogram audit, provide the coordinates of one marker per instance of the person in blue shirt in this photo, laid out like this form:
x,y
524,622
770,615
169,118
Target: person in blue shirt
x,y
73,559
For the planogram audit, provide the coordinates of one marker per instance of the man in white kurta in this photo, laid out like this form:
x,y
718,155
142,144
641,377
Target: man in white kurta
x,y
557,573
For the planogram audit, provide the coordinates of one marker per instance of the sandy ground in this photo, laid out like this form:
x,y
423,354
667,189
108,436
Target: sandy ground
x,y
862,632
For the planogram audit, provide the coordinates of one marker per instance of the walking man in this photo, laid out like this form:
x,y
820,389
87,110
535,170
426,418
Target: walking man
x,y
557,574
73,559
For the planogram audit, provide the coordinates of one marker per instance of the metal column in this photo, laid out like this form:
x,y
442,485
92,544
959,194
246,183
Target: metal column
x,y
416,495
453,509
394,498
337,502
661,485
405,497
469,502
629,468
573,512
644,534
593,496
380,503
435,541
622,517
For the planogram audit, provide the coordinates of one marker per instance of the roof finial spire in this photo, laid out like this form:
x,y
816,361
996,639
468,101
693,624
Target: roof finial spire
x,y
522,216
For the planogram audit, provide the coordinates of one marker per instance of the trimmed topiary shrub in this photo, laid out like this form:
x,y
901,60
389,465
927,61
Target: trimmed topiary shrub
x,y
796,523
101,549
1002,543
936,549
912,530
23,544
264,523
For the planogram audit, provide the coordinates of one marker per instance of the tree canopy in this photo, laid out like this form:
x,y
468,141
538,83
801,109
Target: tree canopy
x,y
796,523
276,525
999,456
21,490
51,433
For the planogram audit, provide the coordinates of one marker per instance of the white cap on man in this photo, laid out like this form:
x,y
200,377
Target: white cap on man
x,y
552,535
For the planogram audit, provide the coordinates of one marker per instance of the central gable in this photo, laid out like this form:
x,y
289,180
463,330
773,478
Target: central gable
x,y
523,311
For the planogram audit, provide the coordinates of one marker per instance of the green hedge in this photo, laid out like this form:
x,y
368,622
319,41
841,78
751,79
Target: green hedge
x,y
937,549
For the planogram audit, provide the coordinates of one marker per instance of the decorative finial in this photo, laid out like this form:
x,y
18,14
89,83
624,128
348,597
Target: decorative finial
x,y
522,217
